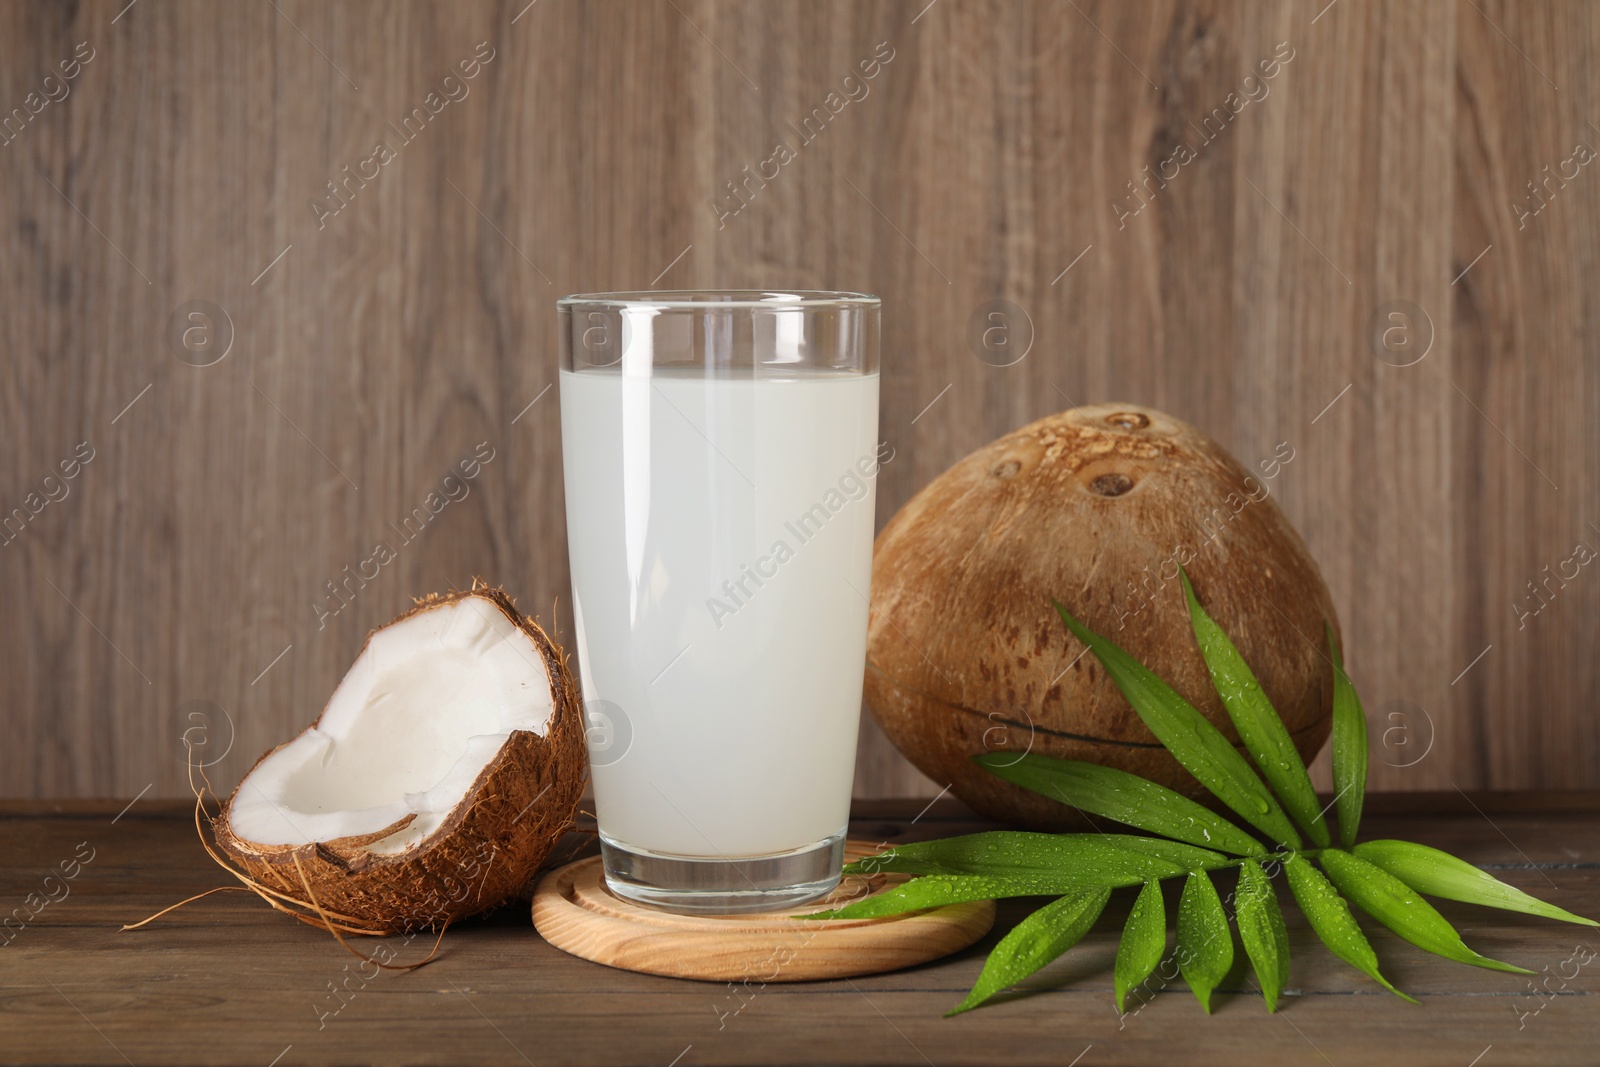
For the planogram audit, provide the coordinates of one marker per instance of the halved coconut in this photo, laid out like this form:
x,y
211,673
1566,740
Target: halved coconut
x,y
441,773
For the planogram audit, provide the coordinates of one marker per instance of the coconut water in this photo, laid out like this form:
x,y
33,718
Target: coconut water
x,y
720,533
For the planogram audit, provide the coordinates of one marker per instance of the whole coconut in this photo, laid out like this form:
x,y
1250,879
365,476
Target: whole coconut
x,y
1096,507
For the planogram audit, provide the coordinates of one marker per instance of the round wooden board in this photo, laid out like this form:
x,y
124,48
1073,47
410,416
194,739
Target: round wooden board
x,y
574,911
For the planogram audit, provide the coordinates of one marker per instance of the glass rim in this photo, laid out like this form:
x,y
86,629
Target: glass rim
x,y
695,299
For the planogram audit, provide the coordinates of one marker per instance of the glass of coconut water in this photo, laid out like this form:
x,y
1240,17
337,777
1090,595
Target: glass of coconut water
x,y
720,452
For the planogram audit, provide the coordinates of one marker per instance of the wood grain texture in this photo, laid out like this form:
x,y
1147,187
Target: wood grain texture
x,y
226,980
183,583
573,910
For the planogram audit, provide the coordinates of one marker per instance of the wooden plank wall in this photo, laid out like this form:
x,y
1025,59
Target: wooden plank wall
x,y
175,586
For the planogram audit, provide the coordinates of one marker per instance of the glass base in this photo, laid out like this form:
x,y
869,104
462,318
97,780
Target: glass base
x,y
697,885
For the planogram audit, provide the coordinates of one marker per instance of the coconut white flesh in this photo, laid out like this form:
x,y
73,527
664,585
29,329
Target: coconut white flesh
x,y
426,706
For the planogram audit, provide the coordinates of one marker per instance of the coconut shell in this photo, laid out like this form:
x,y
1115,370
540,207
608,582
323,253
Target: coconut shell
x,y
485,853
1095,507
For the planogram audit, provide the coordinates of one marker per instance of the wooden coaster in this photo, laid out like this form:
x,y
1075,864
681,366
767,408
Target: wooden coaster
x,y
574,911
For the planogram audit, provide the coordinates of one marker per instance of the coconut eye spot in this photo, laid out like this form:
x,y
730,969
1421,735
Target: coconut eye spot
x,y
1006,471
1114,484
1128,420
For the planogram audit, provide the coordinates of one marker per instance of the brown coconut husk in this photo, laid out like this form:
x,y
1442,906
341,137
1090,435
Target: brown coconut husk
x,y
484,854
966,654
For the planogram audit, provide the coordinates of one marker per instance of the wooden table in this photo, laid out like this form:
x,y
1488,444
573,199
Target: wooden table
x,y
228,981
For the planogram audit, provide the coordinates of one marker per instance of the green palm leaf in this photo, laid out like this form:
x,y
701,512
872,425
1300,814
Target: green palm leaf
x,y
1349,748
1093,859
1125,797
1261,928
1262,731
937,890
1439,874
1191,739
1390,901
1205,940
1330,917
1034,942
1144,939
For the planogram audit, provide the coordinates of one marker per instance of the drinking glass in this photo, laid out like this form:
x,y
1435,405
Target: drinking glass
x,y
720,456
